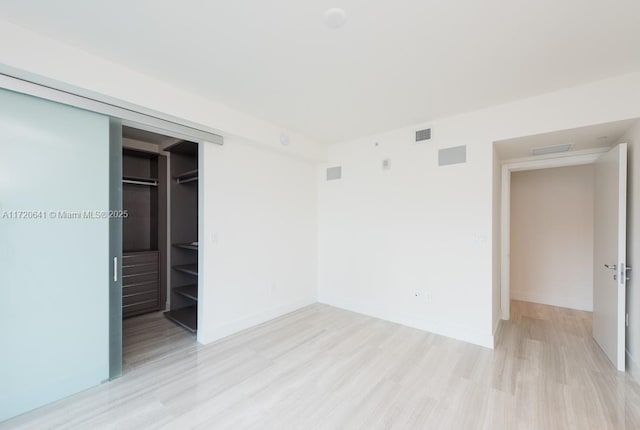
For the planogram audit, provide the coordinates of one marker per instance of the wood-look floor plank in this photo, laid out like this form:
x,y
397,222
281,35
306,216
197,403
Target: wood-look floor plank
x,y
325,368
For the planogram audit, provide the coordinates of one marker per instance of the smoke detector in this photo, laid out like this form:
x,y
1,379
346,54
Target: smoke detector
x,y
335,17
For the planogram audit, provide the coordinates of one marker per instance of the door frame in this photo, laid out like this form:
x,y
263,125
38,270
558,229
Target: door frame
x,y
115,249
577,158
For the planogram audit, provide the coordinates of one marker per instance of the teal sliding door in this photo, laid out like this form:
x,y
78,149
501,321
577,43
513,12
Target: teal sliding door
x,y
55,264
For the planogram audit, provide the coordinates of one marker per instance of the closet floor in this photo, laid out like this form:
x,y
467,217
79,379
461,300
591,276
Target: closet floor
x,y
147,338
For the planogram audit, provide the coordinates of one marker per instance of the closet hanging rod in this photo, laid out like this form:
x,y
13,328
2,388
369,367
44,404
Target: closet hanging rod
x,y
134,182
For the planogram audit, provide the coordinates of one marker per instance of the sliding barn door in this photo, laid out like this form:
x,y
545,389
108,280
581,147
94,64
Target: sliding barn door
x,y
55,267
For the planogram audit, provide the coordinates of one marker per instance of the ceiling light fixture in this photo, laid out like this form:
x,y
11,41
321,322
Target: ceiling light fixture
x,y
335,17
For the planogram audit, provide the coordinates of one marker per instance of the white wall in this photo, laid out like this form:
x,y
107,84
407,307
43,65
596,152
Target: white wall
x,y
632,138
419,227
552,236
386,235
260,237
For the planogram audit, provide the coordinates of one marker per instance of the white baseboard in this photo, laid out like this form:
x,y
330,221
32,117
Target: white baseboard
x,y
208,335
632,366
460,333
563,302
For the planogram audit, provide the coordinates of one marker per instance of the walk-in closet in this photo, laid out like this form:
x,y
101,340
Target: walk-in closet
x,y
112,191
160,244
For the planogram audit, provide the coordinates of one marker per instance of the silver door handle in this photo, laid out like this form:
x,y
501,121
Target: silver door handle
x,y
115,269
611,266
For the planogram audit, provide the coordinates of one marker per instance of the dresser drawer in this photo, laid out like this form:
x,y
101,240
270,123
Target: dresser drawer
x,y
140,283
142,257
142,287
142,297
140,269
139,308
139,278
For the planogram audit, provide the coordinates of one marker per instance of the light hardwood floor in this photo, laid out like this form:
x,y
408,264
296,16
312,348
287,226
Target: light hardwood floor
x,y
326,368
150,337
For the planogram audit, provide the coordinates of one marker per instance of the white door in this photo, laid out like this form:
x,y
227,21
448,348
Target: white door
x,y
609,256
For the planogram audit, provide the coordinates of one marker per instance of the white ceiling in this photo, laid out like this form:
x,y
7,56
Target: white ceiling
x,y
583,138
394,63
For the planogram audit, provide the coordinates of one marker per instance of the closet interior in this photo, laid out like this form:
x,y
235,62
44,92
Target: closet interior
x,y
144,198
184,234
160,234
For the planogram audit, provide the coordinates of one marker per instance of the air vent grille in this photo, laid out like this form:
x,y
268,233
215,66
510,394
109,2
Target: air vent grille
x,y
334,173
422,135
544,150
454,155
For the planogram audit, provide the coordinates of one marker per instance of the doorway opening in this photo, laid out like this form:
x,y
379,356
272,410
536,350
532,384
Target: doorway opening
x,y
551,236
159,246
563,230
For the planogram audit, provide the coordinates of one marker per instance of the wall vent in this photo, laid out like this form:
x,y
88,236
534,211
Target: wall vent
x,y
454,155
422,135
334,173
544,150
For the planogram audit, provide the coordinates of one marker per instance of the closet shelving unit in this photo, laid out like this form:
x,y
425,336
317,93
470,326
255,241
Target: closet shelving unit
x,y
186,317
143,258
189,269
191,246
184,234
189,291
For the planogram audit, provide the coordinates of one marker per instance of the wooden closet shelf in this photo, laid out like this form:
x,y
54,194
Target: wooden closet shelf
x,y
193,246
186,317
188,291
190,269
